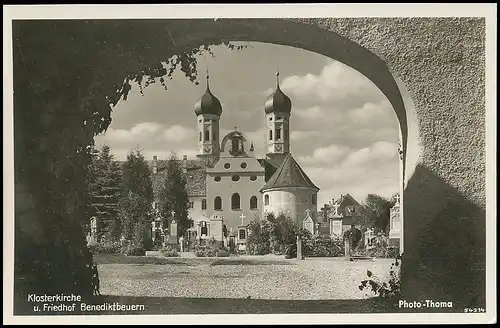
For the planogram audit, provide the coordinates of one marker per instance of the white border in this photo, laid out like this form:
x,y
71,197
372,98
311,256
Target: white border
x,y
253,11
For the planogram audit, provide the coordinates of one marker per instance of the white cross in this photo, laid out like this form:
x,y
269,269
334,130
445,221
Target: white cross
x,y
397,198
242,217
336,206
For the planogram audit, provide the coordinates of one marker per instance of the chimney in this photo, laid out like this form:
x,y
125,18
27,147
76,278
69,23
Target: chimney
x,y
184,163
155,164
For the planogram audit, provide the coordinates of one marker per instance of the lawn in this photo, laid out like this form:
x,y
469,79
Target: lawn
x,y
248,284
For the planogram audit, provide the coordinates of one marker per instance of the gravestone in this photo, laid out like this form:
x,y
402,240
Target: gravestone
x,y
173,233
347,249
216,227
181,244
308,224
299,248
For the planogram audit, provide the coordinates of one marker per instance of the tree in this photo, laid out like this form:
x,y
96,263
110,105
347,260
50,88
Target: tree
x,y
376,212
258,236
105,191
136,199
283,231
174,196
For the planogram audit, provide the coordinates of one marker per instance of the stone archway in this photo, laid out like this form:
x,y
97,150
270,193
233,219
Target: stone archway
x,y
432,72
418,64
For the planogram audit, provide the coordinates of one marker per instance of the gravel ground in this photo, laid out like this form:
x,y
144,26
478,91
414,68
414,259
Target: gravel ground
x,y
273,279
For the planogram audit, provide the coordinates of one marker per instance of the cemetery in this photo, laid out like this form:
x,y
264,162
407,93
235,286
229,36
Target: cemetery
x,y
315,267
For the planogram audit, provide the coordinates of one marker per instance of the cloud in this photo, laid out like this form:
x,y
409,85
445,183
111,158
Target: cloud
x,y
312,113
149,132
297,135
340,169
149,137
335,82
177,133
326,155
379,150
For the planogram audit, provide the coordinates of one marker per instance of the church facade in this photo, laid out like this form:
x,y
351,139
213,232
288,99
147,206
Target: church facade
x,y
229,186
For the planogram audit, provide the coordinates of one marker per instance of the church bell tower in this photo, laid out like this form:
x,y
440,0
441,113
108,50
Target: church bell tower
x,y
278,108
208,110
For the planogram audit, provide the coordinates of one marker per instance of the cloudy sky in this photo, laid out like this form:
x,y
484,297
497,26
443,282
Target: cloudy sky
x,y
344,132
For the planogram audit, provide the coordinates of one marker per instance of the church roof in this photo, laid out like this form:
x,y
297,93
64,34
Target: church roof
x,y
271,163
208,104
278,101
289,174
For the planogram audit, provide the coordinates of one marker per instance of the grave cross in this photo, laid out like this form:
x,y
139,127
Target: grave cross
x,y
242,217
336,207
397,197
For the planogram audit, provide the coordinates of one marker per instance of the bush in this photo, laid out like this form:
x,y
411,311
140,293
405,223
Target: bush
x,y
390,290
259,249
207,251
381,248
170,251
106,247
133,250
323,246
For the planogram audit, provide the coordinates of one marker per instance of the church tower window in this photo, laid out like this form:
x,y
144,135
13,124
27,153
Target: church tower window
x,y
253,203
217,203
270,134
235,201
207,135
278,133
203,204
266,199
200,136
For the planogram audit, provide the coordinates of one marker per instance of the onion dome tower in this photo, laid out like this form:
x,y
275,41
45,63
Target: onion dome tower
x,y
278,109
208,110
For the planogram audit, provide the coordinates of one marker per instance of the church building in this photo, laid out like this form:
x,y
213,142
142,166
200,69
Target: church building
x,y
229,186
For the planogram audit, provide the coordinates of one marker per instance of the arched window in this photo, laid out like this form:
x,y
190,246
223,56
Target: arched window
x,y
235,201
278,133
203,204
266,199
200,135
207,135
314,199
270,134
253,203
217,203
